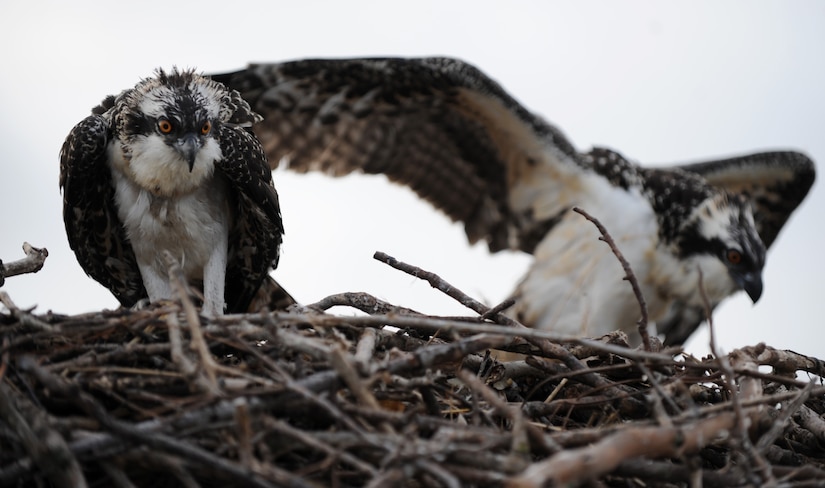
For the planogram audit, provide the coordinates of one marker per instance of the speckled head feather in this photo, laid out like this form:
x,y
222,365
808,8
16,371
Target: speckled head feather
x,y
184,96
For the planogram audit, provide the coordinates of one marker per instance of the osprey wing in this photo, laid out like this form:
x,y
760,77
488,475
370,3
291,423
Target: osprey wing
x,y
257,231
775,182
437,125
95,233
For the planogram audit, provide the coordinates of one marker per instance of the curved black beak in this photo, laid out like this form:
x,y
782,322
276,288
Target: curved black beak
x,y
188,146
751,282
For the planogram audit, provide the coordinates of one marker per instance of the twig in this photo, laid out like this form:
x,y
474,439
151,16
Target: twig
x,y
435,324
310,441
750,388
520,446
361,301
24,316
243,424
32,263
345,367
364,351
154,440
546,346
501,307
434,280
779,424
46,447
181,289
575,466
629,275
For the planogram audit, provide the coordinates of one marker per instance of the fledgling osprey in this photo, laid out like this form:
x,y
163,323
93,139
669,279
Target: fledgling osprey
x,y
171,164
453,135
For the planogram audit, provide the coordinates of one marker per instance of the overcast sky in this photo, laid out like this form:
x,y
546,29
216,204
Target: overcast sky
x,y
661,82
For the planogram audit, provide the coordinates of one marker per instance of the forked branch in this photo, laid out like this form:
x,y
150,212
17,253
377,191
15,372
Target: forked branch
x,y
629,275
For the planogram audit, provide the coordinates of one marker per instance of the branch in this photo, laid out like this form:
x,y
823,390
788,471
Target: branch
x,y
443,286
155,440
629,275
545,343
32,263
575,466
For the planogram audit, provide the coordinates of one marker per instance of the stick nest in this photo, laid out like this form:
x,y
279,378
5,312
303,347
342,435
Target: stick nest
x,y
165,397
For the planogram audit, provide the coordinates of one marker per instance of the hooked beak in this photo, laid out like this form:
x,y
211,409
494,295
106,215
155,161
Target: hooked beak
x,y
188,146
750,282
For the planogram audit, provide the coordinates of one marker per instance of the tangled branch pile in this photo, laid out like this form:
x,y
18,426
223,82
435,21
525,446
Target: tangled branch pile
x,y
164,397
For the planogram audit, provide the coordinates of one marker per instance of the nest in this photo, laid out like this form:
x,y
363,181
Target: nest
x,y
165,397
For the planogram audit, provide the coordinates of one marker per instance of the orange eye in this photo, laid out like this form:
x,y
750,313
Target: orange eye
x,y
734,256
207,126
165,126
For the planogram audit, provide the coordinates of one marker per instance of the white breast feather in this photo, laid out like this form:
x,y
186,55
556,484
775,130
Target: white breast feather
x,y
576,285
188,215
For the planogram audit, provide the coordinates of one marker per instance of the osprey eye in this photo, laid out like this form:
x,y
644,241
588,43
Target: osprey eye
x,y
733,256
164,126
207,126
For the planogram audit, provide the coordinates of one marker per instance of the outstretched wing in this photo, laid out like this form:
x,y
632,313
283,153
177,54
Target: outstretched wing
x,y
256,233
775,182
92,226
437,125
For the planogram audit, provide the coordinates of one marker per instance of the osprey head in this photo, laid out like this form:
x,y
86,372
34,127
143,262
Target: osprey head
x,y
722,227
168,129
180,110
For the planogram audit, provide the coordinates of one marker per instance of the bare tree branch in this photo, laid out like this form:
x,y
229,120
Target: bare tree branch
x,y
32,263
629,276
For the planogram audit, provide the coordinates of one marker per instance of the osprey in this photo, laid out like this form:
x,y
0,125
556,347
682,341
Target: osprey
x,y
170,165
454,136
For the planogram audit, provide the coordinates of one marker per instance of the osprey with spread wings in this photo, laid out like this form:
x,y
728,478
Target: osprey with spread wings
x,y
454,136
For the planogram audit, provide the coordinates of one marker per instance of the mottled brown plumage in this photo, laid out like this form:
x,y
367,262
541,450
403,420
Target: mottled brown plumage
x,y
128,193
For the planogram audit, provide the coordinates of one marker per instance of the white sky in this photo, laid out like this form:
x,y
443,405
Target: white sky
x,y
659,81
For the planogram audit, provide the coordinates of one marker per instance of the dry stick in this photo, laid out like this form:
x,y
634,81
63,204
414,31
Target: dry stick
x,y
154,440
575,466
753,390
659,395
308,440
812,422
785,361
365,349
671,474
520,445
434,324
551,349
629,275
360,301
779,424
243,424
174,465
435,470
24,316
179,358
490,314
116,475
181,289
46,448
324,380
32,263
436,282
345,366
749,387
